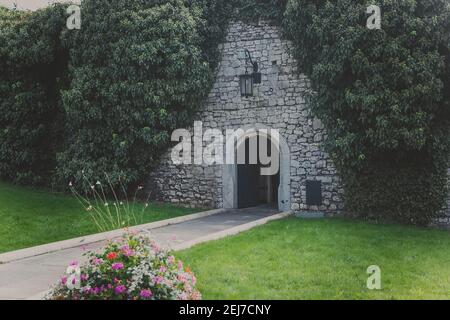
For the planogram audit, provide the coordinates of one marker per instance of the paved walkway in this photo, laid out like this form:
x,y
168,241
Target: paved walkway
x,y
29,277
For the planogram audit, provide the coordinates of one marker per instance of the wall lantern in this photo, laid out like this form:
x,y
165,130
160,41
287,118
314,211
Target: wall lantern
x,y
246,81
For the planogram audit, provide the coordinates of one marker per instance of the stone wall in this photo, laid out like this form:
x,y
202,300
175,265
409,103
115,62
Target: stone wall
x,y
278,103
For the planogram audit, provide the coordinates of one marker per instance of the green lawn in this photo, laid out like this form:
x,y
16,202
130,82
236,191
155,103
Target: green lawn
x,y
323,259
30,217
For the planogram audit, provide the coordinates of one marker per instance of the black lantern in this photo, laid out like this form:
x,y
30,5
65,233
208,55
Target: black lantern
x,y
246,81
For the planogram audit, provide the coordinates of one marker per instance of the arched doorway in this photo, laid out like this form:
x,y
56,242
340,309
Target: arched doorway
x,y
273,189
253,187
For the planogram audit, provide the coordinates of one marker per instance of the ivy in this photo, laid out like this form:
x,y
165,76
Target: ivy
x,y
137,73
32,63
383,96
105,98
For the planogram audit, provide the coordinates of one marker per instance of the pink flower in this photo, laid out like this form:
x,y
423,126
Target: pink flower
x,y
171,259
180,265
63,280
96,290
83,277
73,263
158,279
168,283
195,295
162,269
182,278
146,294
117,266
183,296
97,261
120,289
127,251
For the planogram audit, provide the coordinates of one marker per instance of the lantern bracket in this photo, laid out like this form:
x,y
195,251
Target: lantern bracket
x,y
247,80
248,59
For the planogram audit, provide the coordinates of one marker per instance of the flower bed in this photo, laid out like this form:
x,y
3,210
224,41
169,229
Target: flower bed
x,y
132,268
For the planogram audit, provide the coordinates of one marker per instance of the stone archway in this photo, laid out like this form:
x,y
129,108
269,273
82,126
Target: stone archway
x,y
230,173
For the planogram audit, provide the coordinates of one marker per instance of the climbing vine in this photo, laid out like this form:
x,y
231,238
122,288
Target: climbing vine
x,y
106,97
383,96
32,64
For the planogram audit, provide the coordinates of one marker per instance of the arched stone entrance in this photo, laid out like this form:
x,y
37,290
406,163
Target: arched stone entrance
x,y
230,179
254,188
279,102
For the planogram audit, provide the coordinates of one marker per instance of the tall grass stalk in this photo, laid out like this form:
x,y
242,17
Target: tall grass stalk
x,y
107,209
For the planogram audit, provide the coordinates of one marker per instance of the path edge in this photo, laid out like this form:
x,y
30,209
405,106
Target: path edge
x,y
86,240
231,231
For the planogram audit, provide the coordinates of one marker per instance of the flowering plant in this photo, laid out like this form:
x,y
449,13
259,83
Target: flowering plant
x,y
132,268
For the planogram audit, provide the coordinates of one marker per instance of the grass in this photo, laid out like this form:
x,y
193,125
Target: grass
x,y
30,217
323,259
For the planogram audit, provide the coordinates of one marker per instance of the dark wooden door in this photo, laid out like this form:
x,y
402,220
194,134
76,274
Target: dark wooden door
x,y
248,180
248,185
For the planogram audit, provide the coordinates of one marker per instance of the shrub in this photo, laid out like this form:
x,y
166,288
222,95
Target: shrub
x,y
215,15
137,73
271,10
106,98
32,65
383,96
132,268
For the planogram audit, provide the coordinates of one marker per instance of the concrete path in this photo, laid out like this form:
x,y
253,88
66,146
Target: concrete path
x,y
29,277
